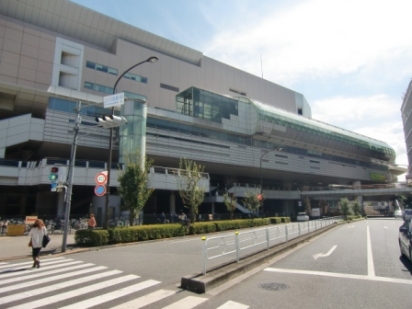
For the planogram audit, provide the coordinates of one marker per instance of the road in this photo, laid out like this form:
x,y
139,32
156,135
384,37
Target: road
x,y
355,265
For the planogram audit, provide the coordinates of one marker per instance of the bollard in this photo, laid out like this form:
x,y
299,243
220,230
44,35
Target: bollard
x,y
286,233
204,254
237,246
267,238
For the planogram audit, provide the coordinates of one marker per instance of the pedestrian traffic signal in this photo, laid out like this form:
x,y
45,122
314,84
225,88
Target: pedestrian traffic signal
x,y
111,121
54,173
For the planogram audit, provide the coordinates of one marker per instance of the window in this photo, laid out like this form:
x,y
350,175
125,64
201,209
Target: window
x,y
168,87
99,88
131,95
101,68
136,78
237,91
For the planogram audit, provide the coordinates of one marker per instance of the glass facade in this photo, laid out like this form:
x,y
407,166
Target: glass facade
x,y
274,115
206,105
68,106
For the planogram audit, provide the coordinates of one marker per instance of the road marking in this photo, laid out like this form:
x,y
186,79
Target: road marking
x,y
41,274
233,305
337,275
112,295
64,296
30,263
385,227
49,279
371,266
180,241
145,300
318,255
350,226
187,303
54,287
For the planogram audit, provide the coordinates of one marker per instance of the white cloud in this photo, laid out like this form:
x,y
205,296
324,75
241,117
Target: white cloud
x,y
317,37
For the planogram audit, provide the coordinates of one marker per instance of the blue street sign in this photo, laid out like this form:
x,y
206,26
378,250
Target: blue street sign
x,y
100,190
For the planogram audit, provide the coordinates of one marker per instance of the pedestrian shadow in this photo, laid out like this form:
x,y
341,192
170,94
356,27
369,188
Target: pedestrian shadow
x,y
7,271
406,263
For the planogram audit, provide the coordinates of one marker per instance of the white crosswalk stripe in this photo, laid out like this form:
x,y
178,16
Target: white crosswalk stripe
x,y
145,300
44,271
186,303
70,284
233,305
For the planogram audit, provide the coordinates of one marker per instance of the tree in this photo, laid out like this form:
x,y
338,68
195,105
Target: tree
x,y
356,208
253,201
192,194
344,205
133,184
230,201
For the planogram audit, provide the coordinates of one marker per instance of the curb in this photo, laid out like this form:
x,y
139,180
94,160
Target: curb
x,y
200,283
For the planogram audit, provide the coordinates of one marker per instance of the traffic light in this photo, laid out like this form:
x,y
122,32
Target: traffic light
x,y
111,121
54,173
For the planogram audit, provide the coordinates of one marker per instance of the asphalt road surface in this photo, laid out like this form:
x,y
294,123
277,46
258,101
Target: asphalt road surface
x,y
355,265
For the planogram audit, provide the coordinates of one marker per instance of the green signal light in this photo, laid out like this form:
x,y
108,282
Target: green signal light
x,y
53,177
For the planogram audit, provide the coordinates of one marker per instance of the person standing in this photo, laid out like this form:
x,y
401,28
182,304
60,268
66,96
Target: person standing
x,y
92,222
36,233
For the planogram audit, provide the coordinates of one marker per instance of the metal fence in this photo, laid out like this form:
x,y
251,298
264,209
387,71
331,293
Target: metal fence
x,y
235,246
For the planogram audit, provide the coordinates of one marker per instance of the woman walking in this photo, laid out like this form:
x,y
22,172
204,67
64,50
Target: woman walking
x,y
37,232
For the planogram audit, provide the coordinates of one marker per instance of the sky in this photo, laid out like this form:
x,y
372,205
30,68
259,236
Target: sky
x,y
351,59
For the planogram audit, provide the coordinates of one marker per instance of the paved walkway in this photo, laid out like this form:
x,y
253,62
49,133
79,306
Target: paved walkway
x,y
15,247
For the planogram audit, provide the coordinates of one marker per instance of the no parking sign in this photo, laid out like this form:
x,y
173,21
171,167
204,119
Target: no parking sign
x,y
100,179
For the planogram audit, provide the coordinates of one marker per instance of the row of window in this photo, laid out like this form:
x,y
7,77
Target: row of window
x,y
248,141
109,90
109,70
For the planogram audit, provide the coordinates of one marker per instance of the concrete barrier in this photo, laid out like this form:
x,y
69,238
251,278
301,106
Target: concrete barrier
x,y
200,283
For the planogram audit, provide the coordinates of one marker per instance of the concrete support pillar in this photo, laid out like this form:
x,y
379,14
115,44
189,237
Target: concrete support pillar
x,y
172,203
357,185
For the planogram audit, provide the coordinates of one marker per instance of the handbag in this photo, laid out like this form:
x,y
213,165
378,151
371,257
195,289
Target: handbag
x,y
46,240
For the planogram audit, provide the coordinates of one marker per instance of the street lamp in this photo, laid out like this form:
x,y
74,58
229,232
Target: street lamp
x,y
106,208
261,182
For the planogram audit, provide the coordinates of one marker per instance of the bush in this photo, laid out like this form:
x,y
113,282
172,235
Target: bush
x,y
159,231
202,228
145,232
91,237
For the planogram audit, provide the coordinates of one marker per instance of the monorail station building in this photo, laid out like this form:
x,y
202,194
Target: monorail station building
x,y
58,58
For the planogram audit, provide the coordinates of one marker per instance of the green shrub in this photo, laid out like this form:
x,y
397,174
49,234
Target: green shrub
x,y
91,237
146,232
202,228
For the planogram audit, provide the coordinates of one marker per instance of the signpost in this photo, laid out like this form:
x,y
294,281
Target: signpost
x,y
101,180
100,190
113,100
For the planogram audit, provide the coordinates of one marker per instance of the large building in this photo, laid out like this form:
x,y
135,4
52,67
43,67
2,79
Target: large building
x,y
248,132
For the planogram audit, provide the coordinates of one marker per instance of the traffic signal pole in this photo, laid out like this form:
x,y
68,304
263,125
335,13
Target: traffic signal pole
x,y
68,197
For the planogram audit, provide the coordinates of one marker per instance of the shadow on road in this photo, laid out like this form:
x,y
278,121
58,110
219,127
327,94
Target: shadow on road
x,y
406,263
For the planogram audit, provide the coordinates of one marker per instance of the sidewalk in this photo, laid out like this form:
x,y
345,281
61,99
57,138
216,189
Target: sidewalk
x,y
15,247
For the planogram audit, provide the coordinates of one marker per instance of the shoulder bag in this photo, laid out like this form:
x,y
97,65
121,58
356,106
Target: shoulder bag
x,y
46,240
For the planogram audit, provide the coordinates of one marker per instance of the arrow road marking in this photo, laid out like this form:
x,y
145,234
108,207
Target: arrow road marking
x,y
316,256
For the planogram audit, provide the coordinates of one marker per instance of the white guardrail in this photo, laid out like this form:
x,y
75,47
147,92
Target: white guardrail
x,y
233,247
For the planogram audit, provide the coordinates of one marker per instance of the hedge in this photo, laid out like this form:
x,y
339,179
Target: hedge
x,y
115,235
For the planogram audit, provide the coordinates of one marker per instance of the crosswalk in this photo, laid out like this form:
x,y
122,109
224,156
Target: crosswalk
x,y
70,284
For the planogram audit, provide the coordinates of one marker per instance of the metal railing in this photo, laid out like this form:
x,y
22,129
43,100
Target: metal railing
x,y
233,247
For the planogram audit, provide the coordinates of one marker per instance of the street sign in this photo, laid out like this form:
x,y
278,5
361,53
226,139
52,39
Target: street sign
x,y
53,187
100,190
101,178
113,100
